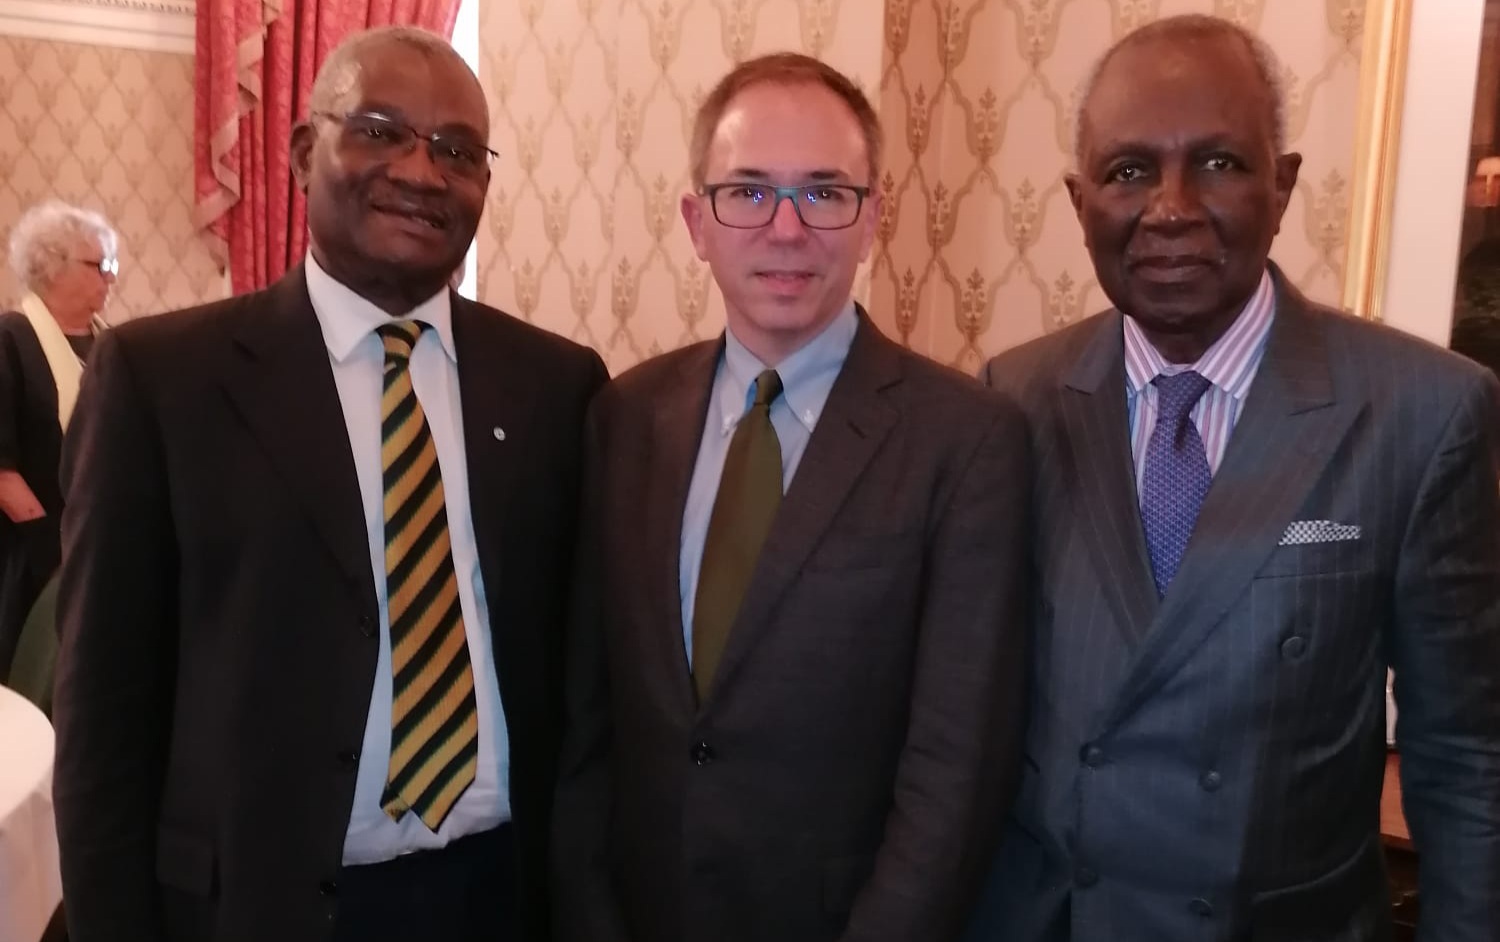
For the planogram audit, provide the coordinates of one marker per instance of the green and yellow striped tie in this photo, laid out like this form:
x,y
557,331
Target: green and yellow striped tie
x,y
434,721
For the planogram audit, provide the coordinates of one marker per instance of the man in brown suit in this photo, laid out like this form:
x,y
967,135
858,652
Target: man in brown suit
x,y
316,558
796,673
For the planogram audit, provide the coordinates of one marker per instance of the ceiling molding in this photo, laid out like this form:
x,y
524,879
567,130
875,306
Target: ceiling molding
x,y
154,25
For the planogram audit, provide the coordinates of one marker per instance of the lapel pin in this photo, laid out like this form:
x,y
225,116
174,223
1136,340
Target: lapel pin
x,y
499,434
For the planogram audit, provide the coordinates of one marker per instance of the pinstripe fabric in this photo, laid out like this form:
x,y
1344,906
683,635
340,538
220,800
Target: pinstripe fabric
x,y
435,722
1209,766
1229,364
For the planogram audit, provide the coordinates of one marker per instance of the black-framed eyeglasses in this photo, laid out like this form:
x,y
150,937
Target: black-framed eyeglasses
x,y
753,205
383,136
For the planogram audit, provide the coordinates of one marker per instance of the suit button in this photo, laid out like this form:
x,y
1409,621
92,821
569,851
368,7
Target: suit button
x,y
328,888
701,753
1211,781
368,626
1294,647
1091,756
1085,877
1201,907
348,757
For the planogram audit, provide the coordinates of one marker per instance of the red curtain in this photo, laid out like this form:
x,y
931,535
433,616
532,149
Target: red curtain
x,y
254,70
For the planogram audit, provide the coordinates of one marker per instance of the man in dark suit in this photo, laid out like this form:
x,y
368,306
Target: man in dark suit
x,y
317,547
795,678
1206,744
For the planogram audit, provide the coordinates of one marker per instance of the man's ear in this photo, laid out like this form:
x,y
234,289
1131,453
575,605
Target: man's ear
x,y
1075,193
1287,166
692,217
870,221
304,136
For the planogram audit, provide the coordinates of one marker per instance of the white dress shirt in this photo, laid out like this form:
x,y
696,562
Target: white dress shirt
x,y
357,357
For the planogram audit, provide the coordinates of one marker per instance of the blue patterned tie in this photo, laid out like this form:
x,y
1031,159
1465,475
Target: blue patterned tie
x,y
1176,476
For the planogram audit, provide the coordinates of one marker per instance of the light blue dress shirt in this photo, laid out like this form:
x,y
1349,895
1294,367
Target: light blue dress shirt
x,y
806,378
357,358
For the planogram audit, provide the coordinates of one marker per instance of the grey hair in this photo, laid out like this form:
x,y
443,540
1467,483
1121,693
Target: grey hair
x,y
1194,26
44,236
341,68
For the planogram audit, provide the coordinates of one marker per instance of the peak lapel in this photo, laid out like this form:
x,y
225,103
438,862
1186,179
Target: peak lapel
x,y
282,384
854,423
1290,427
1095,449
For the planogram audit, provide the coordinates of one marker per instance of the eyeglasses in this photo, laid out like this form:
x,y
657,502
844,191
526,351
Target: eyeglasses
x,y
104,266
381,136
818,205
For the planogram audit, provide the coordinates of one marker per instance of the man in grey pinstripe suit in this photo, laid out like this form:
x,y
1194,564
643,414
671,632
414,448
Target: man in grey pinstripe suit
x,y
1206,740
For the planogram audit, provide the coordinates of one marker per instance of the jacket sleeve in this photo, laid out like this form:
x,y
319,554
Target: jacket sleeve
x,y
115,670
961,761
585,908
1445,648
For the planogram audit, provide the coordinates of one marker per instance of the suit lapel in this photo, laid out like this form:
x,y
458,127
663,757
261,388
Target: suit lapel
x,y
282,384
854,423
681,408
1095,448
1290,428
497,401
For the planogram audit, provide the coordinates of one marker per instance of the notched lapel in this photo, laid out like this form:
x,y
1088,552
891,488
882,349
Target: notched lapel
x,y
854,424
1289,430
1096,452
283,386
498,401
676,431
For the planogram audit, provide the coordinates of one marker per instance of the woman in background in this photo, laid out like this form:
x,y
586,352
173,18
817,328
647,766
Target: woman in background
x,y
65,258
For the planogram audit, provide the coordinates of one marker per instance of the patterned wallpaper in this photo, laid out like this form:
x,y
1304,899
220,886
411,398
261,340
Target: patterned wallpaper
x,y
978,249
592,103
110,129
592,100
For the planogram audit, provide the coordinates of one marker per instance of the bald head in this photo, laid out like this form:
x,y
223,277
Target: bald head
x,y
1187,32
340,72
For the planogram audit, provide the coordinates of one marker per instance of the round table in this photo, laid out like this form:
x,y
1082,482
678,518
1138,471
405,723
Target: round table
x,y
30,881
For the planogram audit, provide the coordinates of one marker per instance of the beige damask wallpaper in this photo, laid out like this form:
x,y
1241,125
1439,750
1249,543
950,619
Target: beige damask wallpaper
x,y
110,129
592,101
979,249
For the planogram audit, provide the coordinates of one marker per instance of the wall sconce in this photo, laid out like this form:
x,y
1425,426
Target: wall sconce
x,y
1484,189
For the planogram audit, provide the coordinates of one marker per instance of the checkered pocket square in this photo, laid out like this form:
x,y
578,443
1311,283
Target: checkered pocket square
x,y
1302,532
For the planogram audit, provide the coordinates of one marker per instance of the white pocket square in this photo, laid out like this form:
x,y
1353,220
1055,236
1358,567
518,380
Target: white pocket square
x,y
1300,532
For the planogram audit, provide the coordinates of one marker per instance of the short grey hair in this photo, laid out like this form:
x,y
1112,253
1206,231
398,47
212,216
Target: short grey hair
x,y
44,236
1194,26
339,71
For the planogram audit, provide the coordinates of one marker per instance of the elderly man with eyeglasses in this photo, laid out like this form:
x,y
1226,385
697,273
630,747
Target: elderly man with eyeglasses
x,y
65,258
316,562
795,679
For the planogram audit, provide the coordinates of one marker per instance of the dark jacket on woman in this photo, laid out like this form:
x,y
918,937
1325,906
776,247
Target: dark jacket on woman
x,y
30,442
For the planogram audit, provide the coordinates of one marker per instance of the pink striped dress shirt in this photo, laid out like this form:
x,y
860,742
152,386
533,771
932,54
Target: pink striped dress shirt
x,y
1230,365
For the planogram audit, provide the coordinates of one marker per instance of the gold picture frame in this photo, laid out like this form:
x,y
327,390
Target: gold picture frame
x,y
1377,139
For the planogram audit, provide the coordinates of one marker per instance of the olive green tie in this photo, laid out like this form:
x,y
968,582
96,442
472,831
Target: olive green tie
x,y
749,493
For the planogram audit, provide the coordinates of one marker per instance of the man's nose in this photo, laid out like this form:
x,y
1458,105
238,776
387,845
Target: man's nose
x,y
785,223
1175,200
416,166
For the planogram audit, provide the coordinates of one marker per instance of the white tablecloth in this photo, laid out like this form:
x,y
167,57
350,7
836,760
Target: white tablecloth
x,y
30,881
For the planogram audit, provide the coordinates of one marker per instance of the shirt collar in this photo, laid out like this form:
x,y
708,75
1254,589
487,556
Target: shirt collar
x,y
1229,364
806,376
347,318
